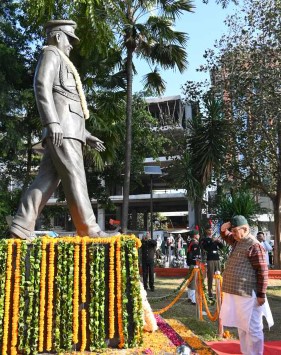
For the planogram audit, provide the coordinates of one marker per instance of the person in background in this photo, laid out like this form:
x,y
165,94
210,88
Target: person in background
x,y
194,254
211,245
271,254
178,245
169,247
244,286
148,249
265,244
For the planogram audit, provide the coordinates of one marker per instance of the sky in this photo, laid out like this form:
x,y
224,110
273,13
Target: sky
x,y
204,26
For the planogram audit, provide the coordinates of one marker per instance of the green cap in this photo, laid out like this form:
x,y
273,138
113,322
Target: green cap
x,y
193,232
238,221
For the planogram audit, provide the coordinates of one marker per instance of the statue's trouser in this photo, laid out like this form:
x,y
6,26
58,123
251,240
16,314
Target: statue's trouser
x,y
65,164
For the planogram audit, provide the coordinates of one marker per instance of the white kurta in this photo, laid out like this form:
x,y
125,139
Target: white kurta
x,y
236,311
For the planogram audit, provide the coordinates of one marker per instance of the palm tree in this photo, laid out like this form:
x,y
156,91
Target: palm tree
x,y
206,149
145,31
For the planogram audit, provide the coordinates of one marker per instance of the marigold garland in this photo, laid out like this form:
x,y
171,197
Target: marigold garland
x,y
33,311
200,292
190,338
50,296
16,298
124,275
83,293
84,330
76,294
111,314
42,296
22,303
83,270
78,84
165,309
7,296
119,294
135,294
3,259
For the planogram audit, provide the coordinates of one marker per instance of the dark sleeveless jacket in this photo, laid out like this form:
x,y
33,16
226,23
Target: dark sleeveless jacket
x,y
239,277
57,96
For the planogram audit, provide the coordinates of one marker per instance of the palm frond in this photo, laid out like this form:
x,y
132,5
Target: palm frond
x,y
160,28
153,82
169,56
175,8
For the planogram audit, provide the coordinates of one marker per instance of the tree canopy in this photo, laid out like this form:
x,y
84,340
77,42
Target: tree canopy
x,y
245,73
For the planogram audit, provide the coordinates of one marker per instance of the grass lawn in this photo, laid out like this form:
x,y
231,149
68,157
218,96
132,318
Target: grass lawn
x,y
208,330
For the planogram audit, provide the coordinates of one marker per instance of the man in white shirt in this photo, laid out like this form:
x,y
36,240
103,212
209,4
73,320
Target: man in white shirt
x,y
265,244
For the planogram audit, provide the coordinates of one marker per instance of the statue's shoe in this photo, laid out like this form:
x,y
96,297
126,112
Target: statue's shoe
x,y
27,239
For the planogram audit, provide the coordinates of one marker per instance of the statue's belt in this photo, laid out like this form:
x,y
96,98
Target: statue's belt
x,y
68,94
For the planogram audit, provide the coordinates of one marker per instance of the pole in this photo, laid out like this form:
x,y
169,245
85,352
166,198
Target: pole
x,y
151,208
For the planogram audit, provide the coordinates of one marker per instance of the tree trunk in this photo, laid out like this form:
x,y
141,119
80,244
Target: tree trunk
x,y
277,204
198,212
127,173
277,230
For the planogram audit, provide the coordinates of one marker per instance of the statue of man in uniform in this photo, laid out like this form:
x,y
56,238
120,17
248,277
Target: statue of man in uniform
x,y
63,110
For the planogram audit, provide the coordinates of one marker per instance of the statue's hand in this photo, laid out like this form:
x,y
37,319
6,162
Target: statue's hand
x,y
95,143
55,132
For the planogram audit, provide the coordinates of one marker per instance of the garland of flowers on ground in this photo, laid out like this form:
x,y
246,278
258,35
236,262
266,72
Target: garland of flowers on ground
x,y
189,338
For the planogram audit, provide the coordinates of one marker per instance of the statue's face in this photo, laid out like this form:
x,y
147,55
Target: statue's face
x,y
63,43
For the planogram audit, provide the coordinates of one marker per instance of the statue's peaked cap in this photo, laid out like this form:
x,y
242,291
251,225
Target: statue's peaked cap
x,y
66,26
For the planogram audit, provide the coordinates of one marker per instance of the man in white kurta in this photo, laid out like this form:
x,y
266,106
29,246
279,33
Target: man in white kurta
x,y
244,286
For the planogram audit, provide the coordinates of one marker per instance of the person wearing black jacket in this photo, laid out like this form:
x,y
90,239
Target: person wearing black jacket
x,y
211,245
148,249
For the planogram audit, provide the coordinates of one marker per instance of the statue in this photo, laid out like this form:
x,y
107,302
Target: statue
x,y
63,110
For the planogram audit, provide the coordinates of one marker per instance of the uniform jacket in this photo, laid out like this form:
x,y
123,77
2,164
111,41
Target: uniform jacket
x,y
194,252
148,248
211,247
57,96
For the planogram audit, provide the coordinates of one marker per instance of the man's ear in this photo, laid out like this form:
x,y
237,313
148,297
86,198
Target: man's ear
x,y
58,36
